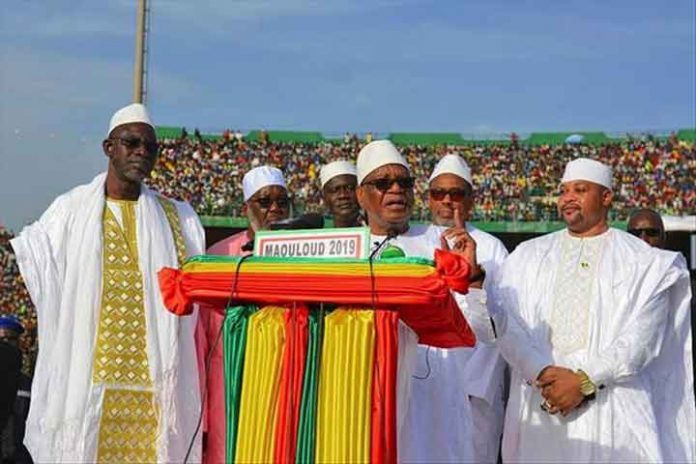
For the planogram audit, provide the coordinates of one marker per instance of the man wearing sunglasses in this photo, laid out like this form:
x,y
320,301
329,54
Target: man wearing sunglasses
x,y
600,370
385,193
116,377
647,225
465,391
338,182
266,201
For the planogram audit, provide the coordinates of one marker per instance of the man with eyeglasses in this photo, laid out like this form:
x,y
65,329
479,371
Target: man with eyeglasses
x,y
465,390
600,370
266,201
646,224
116,374
338,182
385,193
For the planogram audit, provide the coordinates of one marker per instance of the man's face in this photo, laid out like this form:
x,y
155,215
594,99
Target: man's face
x,y
649,228
447,193
339,196
270,204
132,151
583,205
386,195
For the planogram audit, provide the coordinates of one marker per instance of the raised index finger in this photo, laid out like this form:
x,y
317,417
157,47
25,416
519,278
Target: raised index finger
x,y
458,220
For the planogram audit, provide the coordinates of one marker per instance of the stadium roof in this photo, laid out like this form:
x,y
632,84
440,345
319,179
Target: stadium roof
x,y
430,138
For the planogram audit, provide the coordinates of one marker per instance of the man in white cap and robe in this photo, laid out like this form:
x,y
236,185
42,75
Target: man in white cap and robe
x,y
265,201
385,192
116,372
338,182
583,318
464,391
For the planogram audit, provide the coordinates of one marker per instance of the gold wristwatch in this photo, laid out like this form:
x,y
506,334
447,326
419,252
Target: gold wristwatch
x,y
587,387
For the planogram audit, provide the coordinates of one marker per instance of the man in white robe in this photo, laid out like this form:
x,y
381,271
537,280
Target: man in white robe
x,y
385,193
583,317
464,387
64,259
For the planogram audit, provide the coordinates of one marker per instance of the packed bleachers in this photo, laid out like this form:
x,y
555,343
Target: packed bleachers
x,y
14,299
515,181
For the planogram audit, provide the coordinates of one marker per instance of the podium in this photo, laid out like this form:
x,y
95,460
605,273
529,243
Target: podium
x,y
316,352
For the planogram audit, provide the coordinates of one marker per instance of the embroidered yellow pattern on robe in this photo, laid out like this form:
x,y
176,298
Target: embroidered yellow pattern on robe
x,y
129,420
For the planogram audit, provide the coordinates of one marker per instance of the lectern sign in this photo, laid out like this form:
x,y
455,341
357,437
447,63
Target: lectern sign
x,y
353,242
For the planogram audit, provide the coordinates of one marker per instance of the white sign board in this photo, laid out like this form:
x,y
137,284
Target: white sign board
x,y
352,242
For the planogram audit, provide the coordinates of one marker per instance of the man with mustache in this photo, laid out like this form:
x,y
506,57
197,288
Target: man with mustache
x,y
266,201
338,182
116,377
464,391
385,193
583,318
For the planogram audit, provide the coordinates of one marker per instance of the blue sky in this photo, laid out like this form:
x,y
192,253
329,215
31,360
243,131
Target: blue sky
x,y
476,67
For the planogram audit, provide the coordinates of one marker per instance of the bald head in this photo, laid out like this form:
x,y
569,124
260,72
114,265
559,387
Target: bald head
x,y
647,225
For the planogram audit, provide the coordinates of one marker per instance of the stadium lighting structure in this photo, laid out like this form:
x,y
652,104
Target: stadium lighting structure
x,y
141,51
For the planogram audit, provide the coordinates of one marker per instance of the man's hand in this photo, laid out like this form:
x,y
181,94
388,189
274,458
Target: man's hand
x,y
462,244
560,387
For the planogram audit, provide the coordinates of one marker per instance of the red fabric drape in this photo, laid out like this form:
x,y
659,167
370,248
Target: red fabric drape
x,y
424,303
295,351
383,433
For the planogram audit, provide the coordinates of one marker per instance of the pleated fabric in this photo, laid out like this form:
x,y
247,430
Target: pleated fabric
x,y
306,434
383,438
260,390
291,380
234,348
420,291
345,387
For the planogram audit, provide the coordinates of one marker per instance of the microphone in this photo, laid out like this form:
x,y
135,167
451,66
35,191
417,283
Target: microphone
x,y
304,221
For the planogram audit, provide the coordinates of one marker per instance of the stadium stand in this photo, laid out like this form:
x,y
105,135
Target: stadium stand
x,y
515,182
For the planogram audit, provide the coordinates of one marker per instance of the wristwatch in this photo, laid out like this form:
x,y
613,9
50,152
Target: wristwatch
x,y
587,387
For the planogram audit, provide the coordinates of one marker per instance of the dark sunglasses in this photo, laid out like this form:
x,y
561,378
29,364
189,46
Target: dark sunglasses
x,y
266,202
650,232
133,142
455,194
385,184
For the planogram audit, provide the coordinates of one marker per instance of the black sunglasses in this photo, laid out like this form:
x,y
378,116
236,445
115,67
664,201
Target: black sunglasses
x,y
385,183
266,202
650,232
134,142
455,194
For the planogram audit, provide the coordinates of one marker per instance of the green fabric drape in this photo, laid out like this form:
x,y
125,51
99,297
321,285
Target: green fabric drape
x,y
310,386
234,347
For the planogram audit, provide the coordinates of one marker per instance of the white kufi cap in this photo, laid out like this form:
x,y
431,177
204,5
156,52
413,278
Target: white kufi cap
x,y
135,112
589,170
452,164
376,154
261,177
334,169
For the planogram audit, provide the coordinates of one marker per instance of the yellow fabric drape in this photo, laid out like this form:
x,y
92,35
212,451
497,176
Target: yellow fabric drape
x,y
345,387
258,410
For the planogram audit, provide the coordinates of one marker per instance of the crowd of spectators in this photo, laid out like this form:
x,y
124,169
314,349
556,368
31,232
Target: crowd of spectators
x,y
14,299
513,182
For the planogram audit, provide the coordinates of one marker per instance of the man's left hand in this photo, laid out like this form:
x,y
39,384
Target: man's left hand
x,y
462,243
561,389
